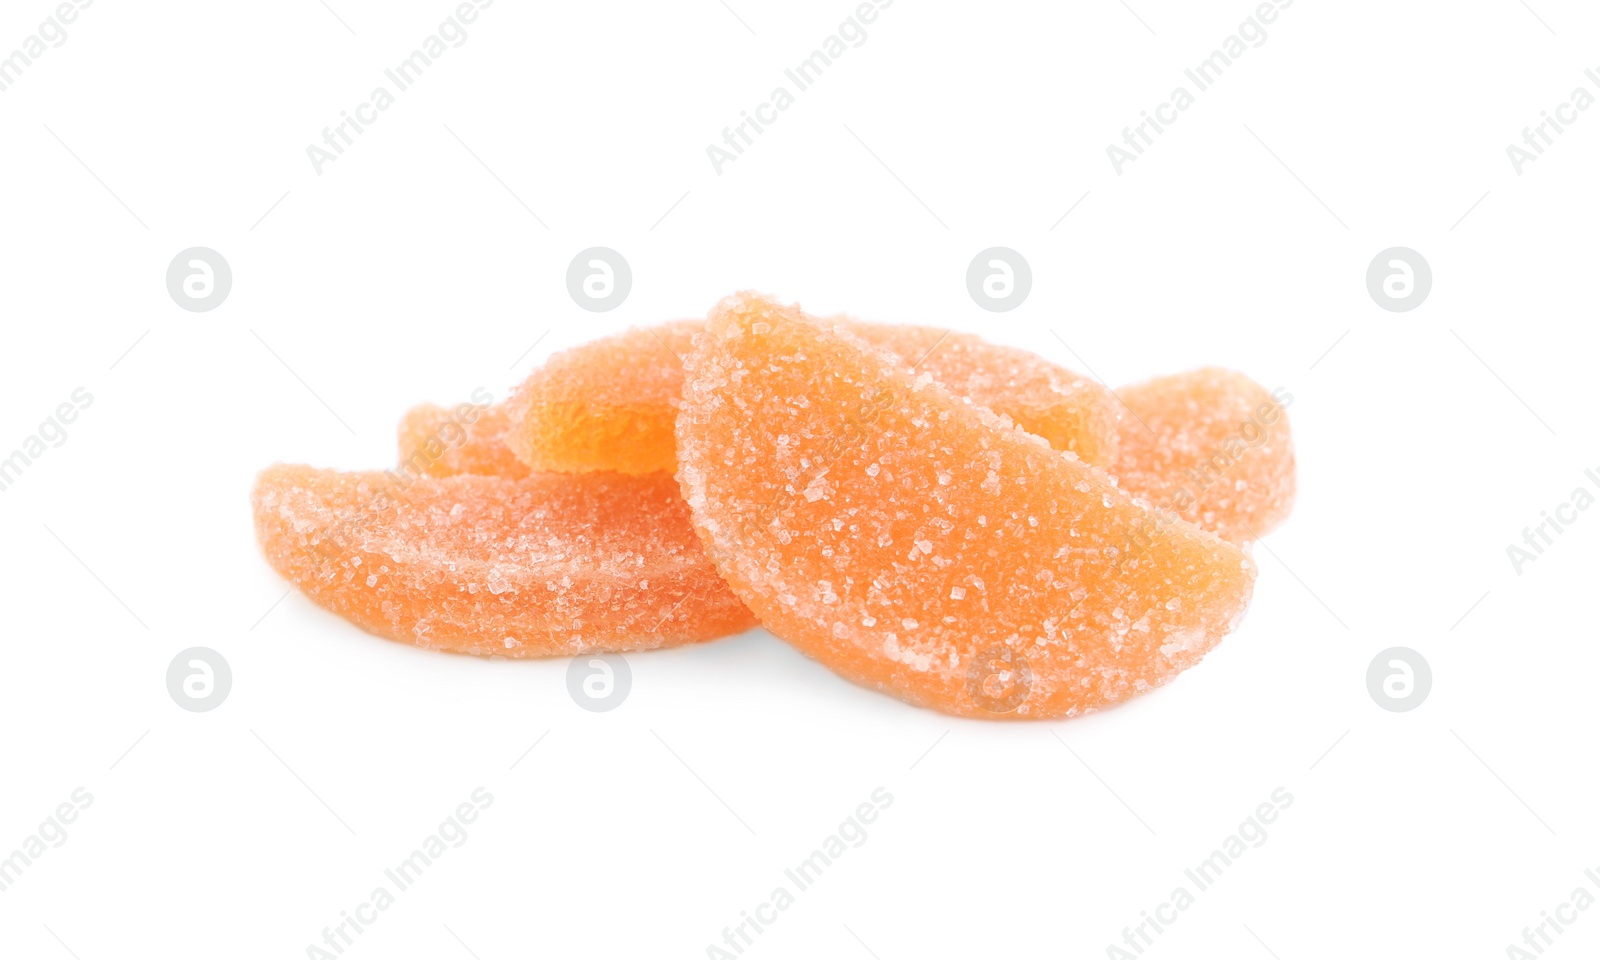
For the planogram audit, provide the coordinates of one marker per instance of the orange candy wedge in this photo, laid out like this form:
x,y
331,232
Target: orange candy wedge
x,y
1212,447
437,441
923,546
545,565
1070,411
606,405
610,404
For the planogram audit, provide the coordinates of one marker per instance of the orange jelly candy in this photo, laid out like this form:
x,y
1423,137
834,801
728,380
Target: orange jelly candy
x,y
1070,411
606,405
924,546
546,565
1211,446
611,404
439,442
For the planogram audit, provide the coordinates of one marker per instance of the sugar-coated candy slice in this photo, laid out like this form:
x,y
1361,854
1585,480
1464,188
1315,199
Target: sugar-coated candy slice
x,y
1069,410
610,404
438,441
545,565
1211,446
926,547
606,405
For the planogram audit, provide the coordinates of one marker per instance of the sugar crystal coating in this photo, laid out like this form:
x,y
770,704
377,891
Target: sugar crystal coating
x,y
545,565
1211,446
923,546
611,404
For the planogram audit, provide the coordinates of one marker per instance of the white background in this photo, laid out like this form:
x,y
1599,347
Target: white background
x,y
414,268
